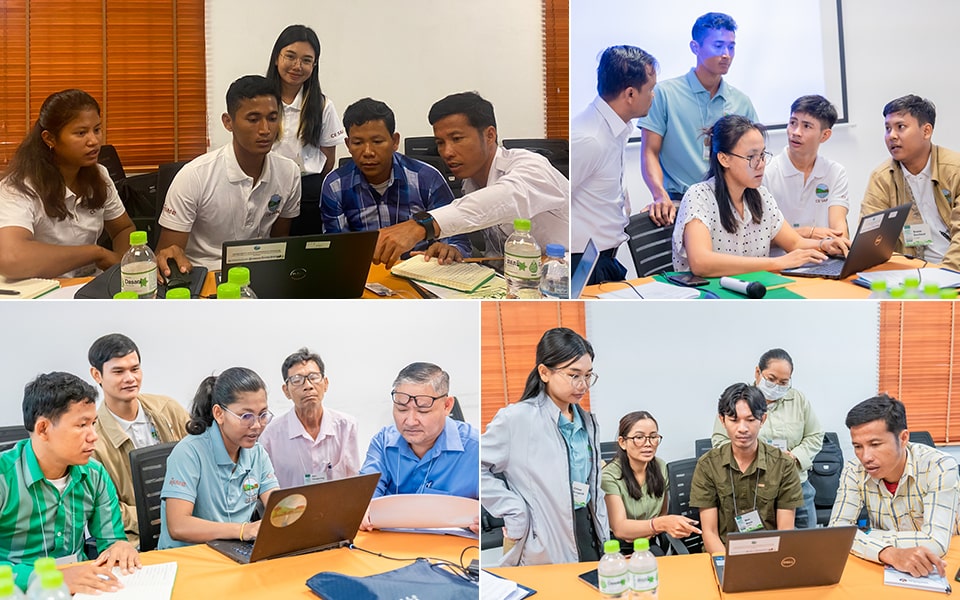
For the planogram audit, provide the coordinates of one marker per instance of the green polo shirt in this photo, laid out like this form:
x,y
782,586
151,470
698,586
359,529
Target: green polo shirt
x,y
36,520
642,508
771,478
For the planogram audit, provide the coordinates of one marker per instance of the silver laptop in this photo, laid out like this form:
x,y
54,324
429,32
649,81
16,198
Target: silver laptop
x,y
580,277
792,558
307,518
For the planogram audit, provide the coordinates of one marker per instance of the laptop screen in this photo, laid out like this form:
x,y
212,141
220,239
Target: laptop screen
x,y
581,276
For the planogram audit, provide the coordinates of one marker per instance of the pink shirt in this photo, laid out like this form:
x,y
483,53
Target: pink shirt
x,y
299,459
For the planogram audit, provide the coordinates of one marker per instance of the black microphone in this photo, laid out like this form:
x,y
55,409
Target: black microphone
x,y
750,289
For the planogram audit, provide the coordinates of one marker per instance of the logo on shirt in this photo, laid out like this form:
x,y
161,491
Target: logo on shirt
x,y
274,204
946,193
170,210
177,482
822,192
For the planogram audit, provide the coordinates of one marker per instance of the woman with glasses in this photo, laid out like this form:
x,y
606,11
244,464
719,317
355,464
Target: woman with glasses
x,y
540,461
727,222
635,484
791,425
216,474
311,128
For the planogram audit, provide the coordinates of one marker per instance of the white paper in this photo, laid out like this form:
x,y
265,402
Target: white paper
x,y
871,223
753,546
423,511
941,277
493,587
256,252
151,582
655,290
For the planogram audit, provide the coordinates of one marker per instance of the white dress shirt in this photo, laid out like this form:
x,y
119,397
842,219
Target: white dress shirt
x,y
921,187
289,144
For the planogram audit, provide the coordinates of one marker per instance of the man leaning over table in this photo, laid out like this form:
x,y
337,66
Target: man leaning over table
x,y
909,491
50,490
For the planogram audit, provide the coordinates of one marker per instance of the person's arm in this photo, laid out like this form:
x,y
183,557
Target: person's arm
x,y
171,245
351,450
711,534
791,241
183,526
119,230
439,194
21,256
499,500
719,436
951,259
375,462
785,518
330,153
281,227
662,210
331,207
812,441
677,526
881,192
839,203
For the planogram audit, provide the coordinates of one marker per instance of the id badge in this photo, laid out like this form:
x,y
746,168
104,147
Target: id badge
x,y
779,443
66,560
314,478
917,234
706,151
749,521
580,493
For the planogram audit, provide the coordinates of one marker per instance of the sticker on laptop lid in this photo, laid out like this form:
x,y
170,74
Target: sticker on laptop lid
x,y
256,252
753,546
871,223
317,245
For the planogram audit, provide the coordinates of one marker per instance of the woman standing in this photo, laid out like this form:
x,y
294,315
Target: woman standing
x,y
540,461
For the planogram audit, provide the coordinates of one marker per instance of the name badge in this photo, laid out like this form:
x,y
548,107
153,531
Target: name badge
x,y
580,493
66,560
314,478
779,443
749,521
917,234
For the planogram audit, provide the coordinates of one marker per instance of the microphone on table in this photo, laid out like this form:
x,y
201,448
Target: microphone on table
x,y
750,289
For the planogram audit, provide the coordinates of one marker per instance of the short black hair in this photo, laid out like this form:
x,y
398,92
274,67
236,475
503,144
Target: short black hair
x,y
817,107
920,108
108,347
478,111
711,20
249,87
51,394
366,110
622,67
727,405
774,354
301,356
882,407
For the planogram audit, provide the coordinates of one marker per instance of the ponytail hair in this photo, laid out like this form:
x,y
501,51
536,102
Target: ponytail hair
x,y
557,348
222,390
724,135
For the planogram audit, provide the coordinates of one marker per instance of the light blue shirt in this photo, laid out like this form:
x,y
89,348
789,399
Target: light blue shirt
x,y
199,470
451,466
578,448
682,108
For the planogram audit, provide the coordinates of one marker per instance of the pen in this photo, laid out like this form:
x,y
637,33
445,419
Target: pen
x,y
944,234
8,292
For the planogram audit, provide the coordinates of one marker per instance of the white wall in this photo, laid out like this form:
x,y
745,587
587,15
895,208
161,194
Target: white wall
x,y
363,345
408,54
673,359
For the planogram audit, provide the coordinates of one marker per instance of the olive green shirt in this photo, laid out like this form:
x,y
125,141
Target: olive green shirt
x,y
771,481
647,507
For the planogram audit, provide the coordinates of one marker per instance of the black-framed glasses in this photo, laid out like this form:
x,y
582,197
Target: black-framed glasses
x,y
754,160
419,400
578,380
249,419
638,440
297,380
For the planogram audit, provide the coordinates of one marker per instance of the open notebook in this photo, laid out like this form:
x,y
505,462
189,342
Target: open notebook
x,y
464,277
11,289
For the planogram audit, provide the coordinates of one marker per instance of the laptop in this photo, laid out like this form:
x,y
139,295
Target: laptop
x,y
588,262
307,518
792,558
106,284
333,265
873,245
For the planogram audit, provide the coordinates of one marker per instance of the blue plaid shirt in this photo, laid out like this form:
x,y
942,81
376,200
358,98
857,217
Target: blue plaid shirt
x,y
349,203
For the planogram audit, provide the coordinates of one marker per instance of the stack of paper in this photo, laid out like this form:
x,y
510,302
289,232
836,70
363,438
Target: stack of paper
x,y
151,582
494,587
933,582
464,277
652,290
944,278
11,289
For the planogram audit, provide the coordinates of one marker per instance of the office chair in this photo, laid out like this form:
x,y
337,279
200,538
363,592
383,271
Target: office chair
x,y
9,436
557,151
456,413
148,467
680,475
922,437
824,476
491,528
111,160
424,149
608,450
165,174
651,245
310,220
702,446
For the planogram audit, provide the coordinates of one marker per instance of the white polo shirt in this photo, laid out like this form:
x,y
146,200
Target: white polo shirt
x,y
598,139
214,201
82,227
289,144
806,204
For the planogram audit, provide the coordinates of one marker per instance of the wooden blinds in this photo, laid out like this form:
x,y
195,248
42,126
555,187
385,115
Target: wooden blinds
x,y
919,350
143,60
556,55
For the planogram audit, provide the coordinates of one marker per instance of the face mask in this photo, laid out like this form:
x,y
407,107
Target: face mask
x,y
772,391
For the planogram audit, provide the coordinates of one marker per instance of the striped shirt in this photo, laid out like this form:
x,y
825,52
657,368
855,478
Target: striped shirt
x,y
922,512
36,520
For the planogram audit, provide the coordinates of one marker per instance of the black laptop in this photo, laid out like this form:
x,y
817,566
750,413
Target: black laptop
x,y
311,266
873,245
106,284
307,518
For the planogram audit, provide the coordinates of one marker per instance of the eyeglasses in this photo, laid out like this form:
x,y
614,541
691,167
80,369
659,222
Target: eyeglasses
x,y
297,380
754,160
305,61
639,439
577,380
420,401
248,419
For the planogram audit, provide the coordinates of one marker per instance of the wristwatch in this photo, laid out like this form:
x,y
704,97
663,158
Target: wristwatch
x,y
425,220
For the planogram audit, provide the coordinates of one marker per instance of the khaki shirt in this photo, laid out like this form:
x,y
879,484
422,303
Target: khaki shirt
x,y
771,479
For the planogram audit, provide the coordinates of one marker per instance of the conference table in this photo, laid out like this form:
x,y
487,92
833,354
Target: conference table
x,y
692,577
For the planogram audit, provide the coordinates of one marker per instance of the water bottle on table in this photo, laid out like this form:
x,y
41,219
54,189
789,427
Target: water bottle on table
x,y
51,587
138,267
9,589
241,277
612,574
555,275
521,262
643,571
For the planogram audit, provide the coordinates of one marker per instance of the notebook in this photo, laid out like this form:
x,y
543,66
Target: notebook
x,y
23,289
792,558
873,245
588,262
307,518
463,277
106,284
333,265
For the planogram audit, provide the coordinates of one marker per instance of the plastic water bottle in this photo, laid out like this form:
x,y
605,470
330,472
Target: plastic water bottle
x,y
642,566
138,267
878,289
948,294
241,277
51,587
555,274
898,293
521,262
8,588
228,291
911,288
40,566
931,291
612,574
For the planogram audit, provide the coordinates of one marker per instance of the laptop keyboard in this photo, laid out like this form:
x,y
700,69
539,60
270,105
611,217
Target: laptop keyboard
x,y
243,549
831,266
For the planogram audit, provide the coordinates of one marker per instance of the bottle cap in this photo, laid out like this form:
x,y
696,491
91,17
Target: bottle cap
x,y
122,296
178,294
611,547
6,586
51,579
911,282
138,238
239,276
44,564
228,291
641,545
948,294
521,224
6,570
931,289
556,250
879,285
897,293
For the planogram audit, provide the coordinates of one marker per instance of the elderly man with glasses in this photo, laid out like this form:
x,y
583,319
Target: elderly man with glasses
x,y
310,443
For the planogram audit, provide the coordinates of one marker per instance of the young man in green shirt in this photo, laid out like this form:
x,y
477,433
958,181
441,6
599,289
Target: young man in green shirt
x,y
49,491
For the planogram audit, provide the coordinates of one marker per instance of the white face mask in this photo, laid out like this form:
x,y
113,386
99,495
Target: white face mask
x,y
772,391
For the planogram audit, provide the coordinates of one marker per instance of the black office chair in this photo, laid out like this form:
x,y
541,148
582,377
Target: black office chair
x,y
111,160
702,446
651,245
824,476
148,467
557,151
491,528
680,476
922,437
165,174
456,413
424,149
310,220
9,436
607,451
344,161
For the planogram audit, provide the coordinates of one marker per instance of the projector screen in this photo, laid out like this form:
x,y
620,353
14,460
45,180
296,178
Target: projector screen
x,y
784,50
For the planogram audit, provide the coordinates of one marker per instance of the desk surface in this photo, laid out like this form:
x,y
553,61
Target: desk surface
x,y
692,576
202,570
808,287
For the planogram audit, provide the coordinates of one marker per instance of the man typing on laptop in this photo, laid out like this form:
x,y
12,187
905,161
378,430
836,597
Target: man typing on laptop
x,y
909,491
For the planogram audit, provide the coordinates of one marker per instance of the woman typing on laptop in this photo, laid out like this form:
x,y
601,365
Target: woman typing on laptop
x,y
216,475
